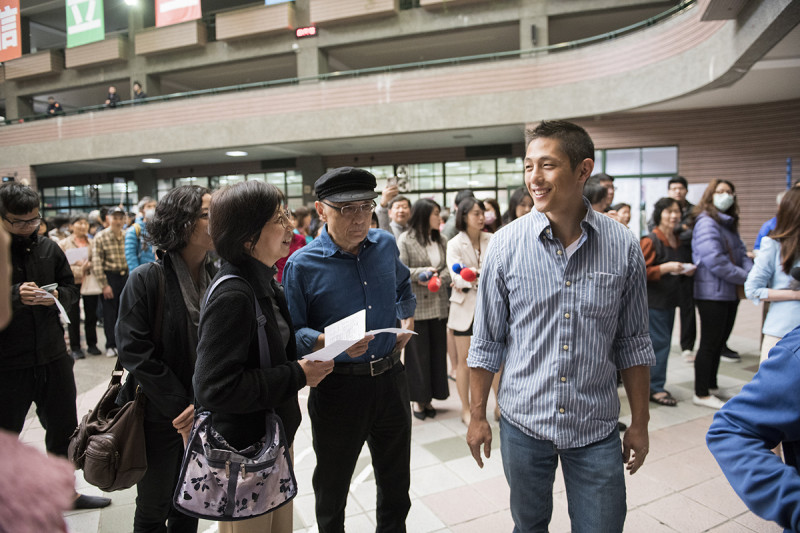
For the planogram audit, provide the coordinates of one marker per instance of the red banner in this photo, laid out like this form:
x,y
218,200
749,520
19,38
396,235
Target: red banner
x,y
10,35
175,11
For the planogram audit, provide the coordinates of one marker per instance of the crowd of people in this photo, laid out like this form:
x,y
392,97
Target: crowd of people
x,y
552,304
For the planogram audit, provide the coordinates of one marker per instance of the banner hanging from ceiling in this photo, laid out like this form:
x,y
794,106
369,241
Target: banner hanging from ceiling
x,y
85,22
10,35
175,11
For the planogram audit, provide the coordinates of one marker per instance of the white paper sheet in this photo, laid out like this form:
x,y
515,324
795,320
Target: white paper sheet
x,y
350,328
45,294
77,254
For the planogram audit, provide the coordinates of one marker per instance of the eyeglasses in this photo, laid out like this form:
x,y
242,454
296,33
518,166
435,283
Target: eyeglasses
x,y
351,211
284,219
22,224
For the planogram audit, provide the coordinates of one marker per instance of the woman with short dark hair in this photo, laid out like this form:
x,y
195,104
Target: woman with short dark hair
x,y
163,366
424,251
664,262
251,231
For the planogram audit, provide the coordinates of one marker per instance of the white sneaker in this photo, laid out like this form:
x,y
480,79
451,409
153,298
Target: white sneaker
x,y
688,356
712,402
111,352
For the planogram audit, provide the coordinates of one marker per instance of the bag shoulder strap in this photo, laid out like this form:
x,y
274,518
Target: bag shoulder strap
x,y
263,346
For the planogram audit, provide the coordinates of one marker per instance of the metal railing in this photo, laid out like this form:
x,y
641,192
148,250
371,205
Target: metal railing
x,y
416,65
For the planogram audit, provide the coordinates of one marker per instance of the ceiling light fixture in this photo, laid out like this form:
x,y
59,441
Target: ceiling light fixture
x,y
236,153
151,160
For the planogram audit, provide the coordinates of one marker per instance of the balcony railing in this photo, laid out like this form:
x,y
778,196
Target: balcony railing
x,y
417,65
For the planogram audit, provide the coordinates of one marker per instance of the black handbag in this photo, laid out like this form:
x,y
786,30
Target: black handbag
x,y
219,482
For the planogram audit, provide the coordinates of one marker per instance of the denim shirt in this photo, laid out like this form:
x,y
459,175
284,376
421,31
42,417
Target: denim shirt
x,y
562,326
324,284
767,273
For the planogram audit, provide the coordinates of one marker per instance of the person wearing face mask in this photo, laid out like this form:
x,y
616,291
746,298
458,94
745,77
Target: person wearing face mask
x,y
722,264
491,217
138,250
664,260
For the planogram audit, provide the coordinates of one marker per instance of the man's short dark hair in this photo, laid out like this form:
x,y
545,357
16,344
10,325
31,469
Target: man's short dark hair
x,y
400,199
237,215
575,142
464,207
602,176
17,199
462,195
678,179
594,191
176,214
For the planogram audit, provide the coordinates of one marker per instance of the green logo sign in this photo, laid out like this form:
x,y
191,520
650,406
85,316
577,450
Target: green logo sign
x,y
85,22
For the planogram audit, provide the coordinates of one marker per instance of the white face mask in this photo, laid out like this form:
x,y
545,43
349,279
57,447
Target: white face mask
x,y
149,214
489,217
723,201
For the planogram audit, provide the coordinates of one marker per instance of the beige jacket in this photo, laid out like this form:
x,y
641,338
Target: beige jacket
x,y
462,303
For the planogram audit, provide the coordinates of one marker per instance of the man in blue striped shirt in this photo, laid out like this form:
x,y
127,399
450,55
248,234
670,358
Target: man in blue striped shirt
x,y
562,305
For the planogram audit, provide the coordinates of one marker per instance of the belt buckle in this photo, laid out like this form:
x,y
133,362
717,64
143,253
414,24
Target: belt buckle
x,y
372,373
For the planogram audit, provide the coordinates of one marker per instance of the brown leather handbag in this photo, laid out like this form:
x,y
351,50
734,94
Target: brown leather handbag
x,y
109,444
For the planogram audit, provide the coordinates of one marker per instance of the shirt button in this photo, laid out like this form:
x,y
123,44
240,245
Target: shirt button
x,y
563,379
561,410
369,307
566,315
372,356
566,347
365,283
559,252
568,283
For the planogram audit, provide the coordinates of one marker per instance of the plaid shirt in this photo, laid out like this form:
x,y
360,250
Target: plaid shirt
x,y
108,253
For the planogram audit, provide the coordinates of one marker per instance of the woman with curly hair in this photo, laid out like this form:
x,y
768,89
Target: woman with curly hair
x,y
163,367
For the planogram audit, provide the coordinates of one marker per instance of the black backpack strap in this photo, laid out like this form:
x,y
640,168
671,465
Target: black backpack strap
x,y
263,346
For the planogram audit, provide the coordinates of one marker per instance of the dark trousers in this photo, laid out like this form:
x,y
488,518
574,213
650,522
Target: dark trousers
x,y
154,510
687,313
345,412
716,324
426,361
89,322
111,307
52,388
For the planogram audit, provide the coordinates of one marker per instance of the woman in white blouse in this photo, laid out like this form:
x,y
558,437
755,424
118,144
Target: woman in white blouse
x,y
466,249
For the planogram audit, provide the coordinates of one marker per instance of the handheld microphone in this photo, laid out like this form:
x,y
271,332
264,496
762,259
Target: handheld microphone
x,y
434,284
425,276
466,273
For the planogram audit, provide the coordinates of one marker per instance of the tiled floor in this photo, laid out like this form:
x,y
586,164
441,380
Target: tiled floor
x,y
679,489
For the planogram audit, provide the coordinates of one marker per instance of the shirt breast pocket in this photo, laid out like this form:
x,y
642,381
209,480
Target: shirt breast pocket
x,y
601,295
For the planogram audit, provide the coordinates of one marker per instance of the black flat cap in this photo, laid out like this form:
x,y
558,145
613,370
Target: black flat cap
x,y
346,184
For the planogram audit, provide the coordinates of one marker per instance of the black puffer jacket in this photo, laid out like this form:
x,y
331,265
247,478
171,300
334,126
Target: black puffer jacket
x,y
228,378
165,372
35,335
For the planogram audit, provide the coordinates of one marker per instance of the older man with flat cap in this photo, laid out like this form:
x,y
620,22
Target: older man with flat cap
x,y
350,268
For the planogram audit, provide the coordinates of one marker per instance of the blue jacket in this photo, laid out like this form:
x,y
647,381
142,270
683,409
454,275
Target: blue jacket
x,y
714,244
137,251
745,430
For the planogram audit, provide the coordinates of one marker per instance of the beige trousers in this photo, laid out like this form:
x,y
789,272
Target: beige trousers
x,y
767,344
278,521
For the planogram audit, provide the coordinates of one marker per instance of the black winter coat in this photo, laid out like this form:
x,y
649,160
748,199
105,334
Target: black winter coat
x,y
165,372
228,378
35,335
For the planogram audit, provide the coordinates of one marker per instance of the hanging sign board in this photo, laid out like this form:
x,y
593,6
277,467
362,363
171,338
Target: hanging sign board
x,y
175,11
85,22
10,38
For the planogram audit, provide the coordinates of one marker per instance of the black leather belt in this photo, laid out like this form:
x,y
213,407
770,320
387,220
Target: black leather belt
x,y
373,368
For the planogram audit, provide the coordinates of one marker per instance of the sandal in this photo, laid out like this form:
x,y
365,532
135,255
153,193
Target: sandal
x,y
666,399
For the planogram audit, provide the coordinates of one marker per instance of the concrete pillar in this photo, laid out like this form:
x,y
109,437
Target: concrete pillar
x,y
311,61
146,181
533,19
311,167
17,106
